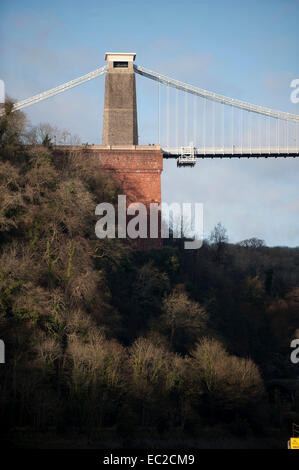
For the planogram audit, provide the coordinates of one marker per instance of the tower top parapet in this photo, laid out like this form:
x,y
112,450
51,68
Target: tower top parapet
x,y
119,62
120,56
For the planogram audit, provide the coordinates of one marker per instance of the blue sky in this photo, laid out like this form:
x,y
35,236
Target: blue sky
x,y
246,50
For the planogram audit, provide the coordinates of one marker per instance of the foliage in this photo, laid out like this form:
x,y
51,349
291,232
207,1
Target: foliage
x,y
99,335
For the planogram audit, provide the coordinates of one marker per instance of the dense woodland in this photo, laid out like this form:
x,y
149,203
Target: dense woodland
x,y
102,339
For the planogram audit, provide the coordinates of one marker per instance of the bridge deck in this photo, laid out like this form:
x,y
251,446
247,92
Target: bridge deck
x,y
207,152
231,152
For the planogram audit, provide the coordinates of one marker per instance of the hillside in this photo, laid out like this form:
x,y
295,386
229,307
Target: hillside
x,y
100,336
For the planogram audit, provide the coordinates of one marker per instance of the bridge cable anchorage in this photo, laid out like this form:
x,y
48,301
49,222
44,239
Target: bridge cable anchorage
x,y
59,89
216,97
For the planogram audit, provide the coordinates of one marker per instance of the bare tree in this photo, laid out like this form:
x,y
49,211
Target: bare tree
x,y
184,319
227,380
45,132
218,240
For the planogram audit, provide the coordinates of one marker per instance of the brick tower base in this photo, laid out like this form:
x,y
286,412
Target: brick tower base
x,y
138,171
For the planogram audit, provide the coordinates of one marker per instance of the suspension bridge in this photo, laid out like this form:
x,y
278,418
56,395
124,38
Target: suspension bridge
x,y
191,122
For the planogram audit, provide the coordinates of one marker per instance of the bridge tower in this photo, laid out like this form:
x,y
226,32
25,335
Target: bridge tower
x,y
137,167
120,109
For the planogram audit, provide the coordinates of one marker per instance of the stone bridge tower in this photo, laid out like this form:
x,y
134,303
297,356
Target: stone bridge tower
x,y
137,167
120,108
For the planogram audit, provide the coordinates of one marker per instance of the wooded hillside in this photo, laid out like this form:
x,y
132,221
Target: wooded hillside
x,y
101,336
